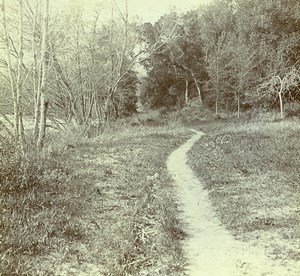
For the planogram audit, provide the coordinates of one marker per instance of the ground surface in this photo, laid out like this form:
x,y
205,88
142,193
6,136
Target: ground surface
x,y
241,222
112,214
105,206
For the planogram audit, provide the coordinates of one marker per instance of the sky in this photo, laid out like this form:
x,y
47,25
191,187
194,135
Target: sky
x,y
147,10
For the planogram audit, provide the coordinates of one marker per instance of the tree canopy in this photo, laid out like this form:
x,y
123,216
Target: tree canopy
x,y
229,55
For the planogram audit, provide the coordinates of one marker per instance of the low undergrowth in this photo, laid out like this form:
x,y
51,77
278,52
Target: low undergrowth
x,y
252,174
100,206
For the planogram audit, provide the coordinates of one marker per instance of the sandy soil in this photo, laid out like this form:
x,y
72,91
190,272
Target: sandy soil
x,y
210,249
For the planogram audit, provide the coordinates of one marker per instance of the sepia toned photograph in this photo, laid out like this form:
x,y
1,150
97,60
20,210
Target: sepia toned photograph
x,y
150,137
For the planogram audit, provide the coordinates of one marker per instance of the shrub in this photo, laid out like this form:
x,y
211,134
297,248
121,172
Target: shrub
x,y
292,109
19,173
28,189
10,163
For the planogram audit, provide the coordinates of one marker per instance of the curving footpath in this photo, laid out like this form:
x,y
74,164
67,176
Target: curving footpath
x,y
210,248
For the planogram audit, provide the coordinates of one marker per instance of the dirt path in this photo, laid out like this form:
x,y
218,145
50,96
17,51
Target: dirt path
x,y
209,247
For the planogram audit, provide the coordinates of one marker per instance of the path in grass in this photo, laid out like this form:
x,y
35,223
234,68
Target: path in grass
x,y
209,247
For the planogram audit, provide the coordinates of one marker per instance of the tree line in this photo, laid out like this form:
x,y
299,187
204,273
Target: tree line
x,y
231,55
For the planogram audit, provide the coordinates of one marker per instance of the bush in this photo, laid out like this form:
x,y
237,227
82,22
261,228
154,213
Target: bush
x,y
19,173
292,109
10,163
28,187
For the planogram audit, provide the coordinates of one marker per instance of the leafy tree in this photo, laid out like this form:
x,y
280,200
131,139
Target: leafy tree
x,y
178,64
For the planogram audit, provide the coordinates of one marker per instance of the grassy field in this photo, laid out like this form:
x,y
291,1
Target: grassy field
x,y
252,173
105,205
100,206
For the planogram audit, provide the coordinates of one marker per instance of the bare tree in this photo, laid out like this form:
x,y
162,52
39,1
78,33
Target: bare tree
x,y
117,61
43,100
15,79
19,85
279,84
36,72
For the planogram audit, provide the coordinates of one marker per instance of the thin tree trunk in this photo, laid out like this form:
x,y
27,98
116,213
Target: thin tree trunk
x,y
68,87
281,104
117,67
10,73
83,106
35,78
125,18
186,96
43,119
199,91
98,111
89,113
44,65
238,106
217,84
7,120
6,129
280,92
107,107
19,77
78,57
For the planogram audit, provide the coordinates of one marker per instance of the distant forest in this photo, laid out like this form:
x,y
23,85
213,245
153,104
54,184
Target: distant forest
x,y
230,55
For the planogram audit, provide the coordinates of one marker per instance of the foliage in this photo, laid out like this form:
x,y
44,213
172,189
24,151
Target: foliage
x,y
71,68
220,54
230,48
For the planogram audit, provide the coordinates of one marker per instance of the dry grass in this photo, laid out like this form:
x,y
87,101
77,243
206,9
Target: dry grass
x,y
100,206
251,171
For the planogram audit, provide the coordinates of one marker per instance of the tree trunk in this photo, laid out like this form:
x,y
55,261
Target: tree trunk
x,y
216,106
117,65
125,18
37,112
35,77
199,91
281,89
98,111
281,104
42,124
10,73
80,79
89,112
6,129
66,84
238,106
186,96
19,84
107,107
44,65
217,84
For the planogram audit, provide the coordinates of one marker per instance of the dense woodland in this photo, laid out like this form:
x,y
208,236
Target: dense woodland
x,y
230,55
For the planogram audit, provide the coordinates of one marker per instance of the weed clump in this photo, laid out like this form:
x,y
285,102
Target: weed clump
x,y
22,172
10,163
29,184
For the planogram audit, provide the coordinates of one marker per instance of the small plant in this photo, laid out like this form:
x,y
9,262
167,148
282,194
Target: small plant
x,y
29,185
